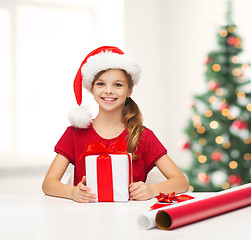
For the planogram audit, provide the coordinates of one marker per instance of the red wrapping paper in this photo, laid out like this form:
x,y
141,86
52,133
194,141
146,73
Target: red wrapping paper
x,y
223,202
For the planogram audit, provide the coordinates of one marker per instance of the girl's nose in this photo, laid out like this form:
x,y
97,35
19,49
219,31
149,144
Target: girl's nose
x,y
109,90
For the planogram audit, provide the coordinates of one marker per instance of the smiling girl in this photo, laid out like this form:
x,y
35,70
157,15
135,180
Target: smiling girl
x,y
110,76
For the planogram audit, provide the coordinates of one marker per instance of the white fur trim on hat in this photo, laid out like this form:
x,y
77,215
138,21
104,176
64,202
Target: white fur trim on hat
x,y
109,60
80,117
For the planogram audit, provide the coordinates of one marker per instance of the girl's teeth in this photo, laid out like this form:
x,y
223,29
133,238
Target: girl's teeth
x,y
109,99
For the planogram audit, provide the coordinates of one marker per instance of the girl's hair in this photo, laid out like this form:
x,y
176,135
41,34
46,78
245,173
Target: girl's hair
x,y
133,120
131,117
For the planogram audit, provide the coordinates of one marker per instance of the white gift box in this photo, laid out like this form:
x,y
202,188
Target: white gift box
x,y
120,175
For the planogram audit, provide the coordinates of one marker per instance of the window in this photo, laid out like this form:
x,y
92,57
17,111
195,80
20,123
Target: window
x,y
42,45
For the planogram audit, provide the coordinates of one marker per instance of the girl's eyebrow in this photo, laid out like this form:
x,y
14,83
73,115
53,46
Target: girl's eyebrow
x,y
119,80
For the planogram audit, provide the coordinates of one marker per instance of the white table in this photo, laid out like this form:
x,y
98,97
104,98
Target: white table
x,y
26,217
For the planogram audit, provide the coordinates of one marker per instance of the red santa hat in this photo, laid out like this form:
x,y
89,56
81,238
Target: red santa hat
x,y
102,58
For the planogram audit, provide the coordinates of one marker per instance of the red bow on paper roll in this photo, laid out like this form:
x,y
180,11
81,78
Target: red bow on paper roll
x,y
169,198
104,166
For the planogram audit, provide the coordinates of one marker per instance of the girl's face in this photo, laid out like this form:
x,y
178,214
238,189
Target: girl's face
x,y
111,89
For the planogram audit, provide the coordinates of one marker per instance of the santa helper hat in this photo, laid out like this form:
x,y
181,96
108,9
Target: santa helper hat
x,y
103,58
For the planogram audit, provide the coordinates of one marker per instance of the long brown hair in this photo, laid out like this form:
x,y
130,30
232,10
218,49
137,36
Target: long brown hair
x,y
131,117
133,120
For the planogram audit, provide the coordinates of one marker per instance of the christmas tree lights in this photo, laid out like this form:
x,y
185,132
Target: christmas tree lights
x,y
219,132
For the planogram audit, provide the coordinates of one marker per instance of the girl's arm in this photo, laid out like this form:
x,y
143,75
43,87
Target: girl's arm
x,y
176,182
53,187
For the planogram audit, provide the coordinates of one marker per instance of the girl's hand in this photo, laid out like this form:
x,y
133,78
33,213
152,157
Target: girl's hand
x,y
82,194
140,191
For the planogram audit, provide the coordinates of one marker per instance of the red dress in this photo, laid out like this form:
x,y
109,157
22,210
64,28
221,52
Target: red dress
x,y
75,140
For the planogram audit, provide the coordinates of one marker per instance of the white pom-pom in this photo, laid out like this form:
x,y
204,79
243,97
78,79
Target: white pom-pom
x,y
80,117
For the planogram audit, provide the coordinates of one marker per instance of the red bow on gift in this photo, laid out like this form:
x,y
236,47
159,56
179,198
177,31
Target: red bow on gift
x,y
169,198
104,166
98,148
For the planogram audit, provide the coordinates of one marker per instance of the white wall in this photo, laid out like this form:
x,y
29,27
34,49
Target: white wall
x,y
171,39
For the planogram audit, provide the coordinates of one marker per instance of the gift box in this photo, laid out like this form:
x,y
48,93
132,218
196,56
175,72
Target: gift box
x,y
109,171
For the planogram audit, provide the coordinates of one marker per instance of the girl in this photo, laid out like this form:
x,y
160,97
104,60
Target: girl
x,y
110,76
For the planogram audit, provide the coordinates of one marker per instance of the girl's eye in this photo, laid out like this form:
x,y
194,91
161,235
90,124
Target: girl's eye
x,y
118,85
100,84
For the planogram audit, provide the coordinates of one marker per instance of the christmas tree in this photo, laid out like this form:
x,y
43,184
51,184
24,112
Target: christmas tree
x,y
218,133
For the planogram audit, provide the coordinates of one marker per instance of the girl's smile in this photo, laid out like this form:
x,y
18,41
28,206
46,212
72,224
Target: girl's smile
x,y
108,99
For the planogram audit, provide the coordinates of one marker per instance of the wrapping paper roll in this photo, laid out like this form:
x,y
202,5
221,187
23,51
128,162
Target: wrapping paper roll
x,y
221,202
147,220
194,211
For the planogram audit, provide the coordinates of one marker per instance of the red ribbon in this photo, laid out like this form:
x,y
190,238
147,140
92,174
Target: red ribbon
x,y
168,199
104,166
